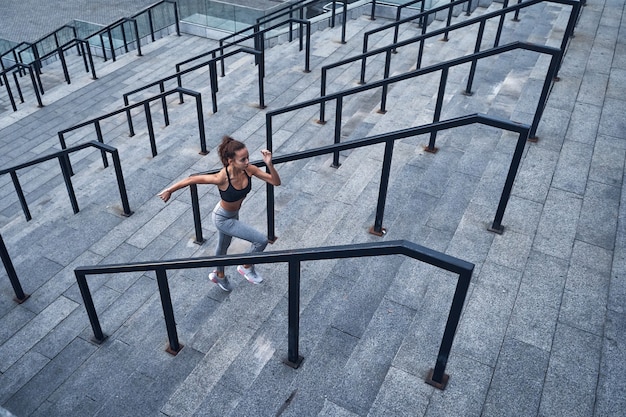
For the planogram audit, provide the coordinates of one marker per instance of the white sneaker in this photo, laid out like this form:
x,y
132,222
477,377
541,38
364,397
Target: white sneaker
x,y
222,282
250,274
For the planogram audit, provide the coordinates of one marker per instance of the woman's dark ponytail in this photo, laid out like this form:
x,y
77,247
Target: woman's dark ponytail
x,y
227,149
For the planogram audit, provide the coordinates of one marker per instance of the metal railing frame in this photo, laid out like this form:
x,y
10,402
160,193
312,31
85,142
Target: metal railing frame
x,y
145,104
34,71
422,17
34,78
259,41
258,51
299,7
213,81
444,67
133,21
82,45
63,158
436,376
480,20
389,139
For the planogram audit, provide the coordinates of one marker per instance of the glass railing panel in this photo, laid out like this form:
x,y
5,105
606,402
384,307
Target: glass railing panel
x,y
218,15
163,16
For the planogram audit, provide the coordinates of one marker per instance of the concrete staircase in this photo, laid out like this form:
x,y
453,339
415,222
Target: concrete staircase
x,y
370,328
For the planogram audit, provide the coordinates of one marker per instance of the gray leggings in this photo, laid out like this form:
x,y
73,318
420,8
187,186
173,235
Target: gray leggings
x,y
229,226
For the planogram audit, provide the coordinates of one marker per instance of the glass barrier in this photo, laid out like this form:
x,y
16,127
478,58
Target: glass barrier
x,y
221,16
6,45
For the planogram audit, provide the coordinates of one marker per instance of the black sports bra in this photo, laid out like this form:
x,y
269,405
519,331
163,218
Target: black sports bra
x,y
231,194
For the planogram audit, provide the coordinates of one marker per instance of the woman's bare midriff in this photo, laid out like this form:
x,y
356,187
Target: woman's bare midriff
x,y
228,206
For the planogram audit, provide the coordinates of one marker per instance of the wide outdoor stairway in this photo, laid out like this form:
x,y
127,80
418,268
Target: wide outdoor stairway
x,y
543,332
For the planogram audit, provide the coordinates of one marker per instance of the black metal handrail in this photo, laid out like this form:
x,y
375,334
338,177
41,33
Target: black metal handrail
x,y
443,68
480,20
213,81
63,158
16,69
259,39
133,21
422,17
145,104
33,69
389,140
83,47
436,376
257,51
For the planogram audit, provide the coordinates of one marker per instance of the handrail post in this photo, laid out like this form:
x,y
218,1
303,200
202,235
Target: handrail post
x,y
213,83
120,183
17,85
124,40
81,280
345,21
378,229
373,11
545,91
9,92
338,111
151,24
496,226
136,26
168,311
438,106
20,196
20,297
90,59
80,46
37,83
197,220
436,377
293,310
153,147
271,224
166,116
420,50
113,55
105,161
261,75
448,22
500,25
479,40
364,60
65,169
385,89
176,18
516,15
300,37
322,120
307,52
201,131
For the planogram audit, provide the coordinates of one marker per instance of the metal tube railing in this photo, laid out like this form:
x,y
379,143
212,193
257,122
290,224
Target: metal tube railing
x,y
481,20
436,376
145,104
496,226
63,158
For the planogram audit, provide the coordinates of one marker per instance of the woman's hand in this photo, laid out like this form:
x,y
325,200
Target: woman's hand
x,y
165,195
267,157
